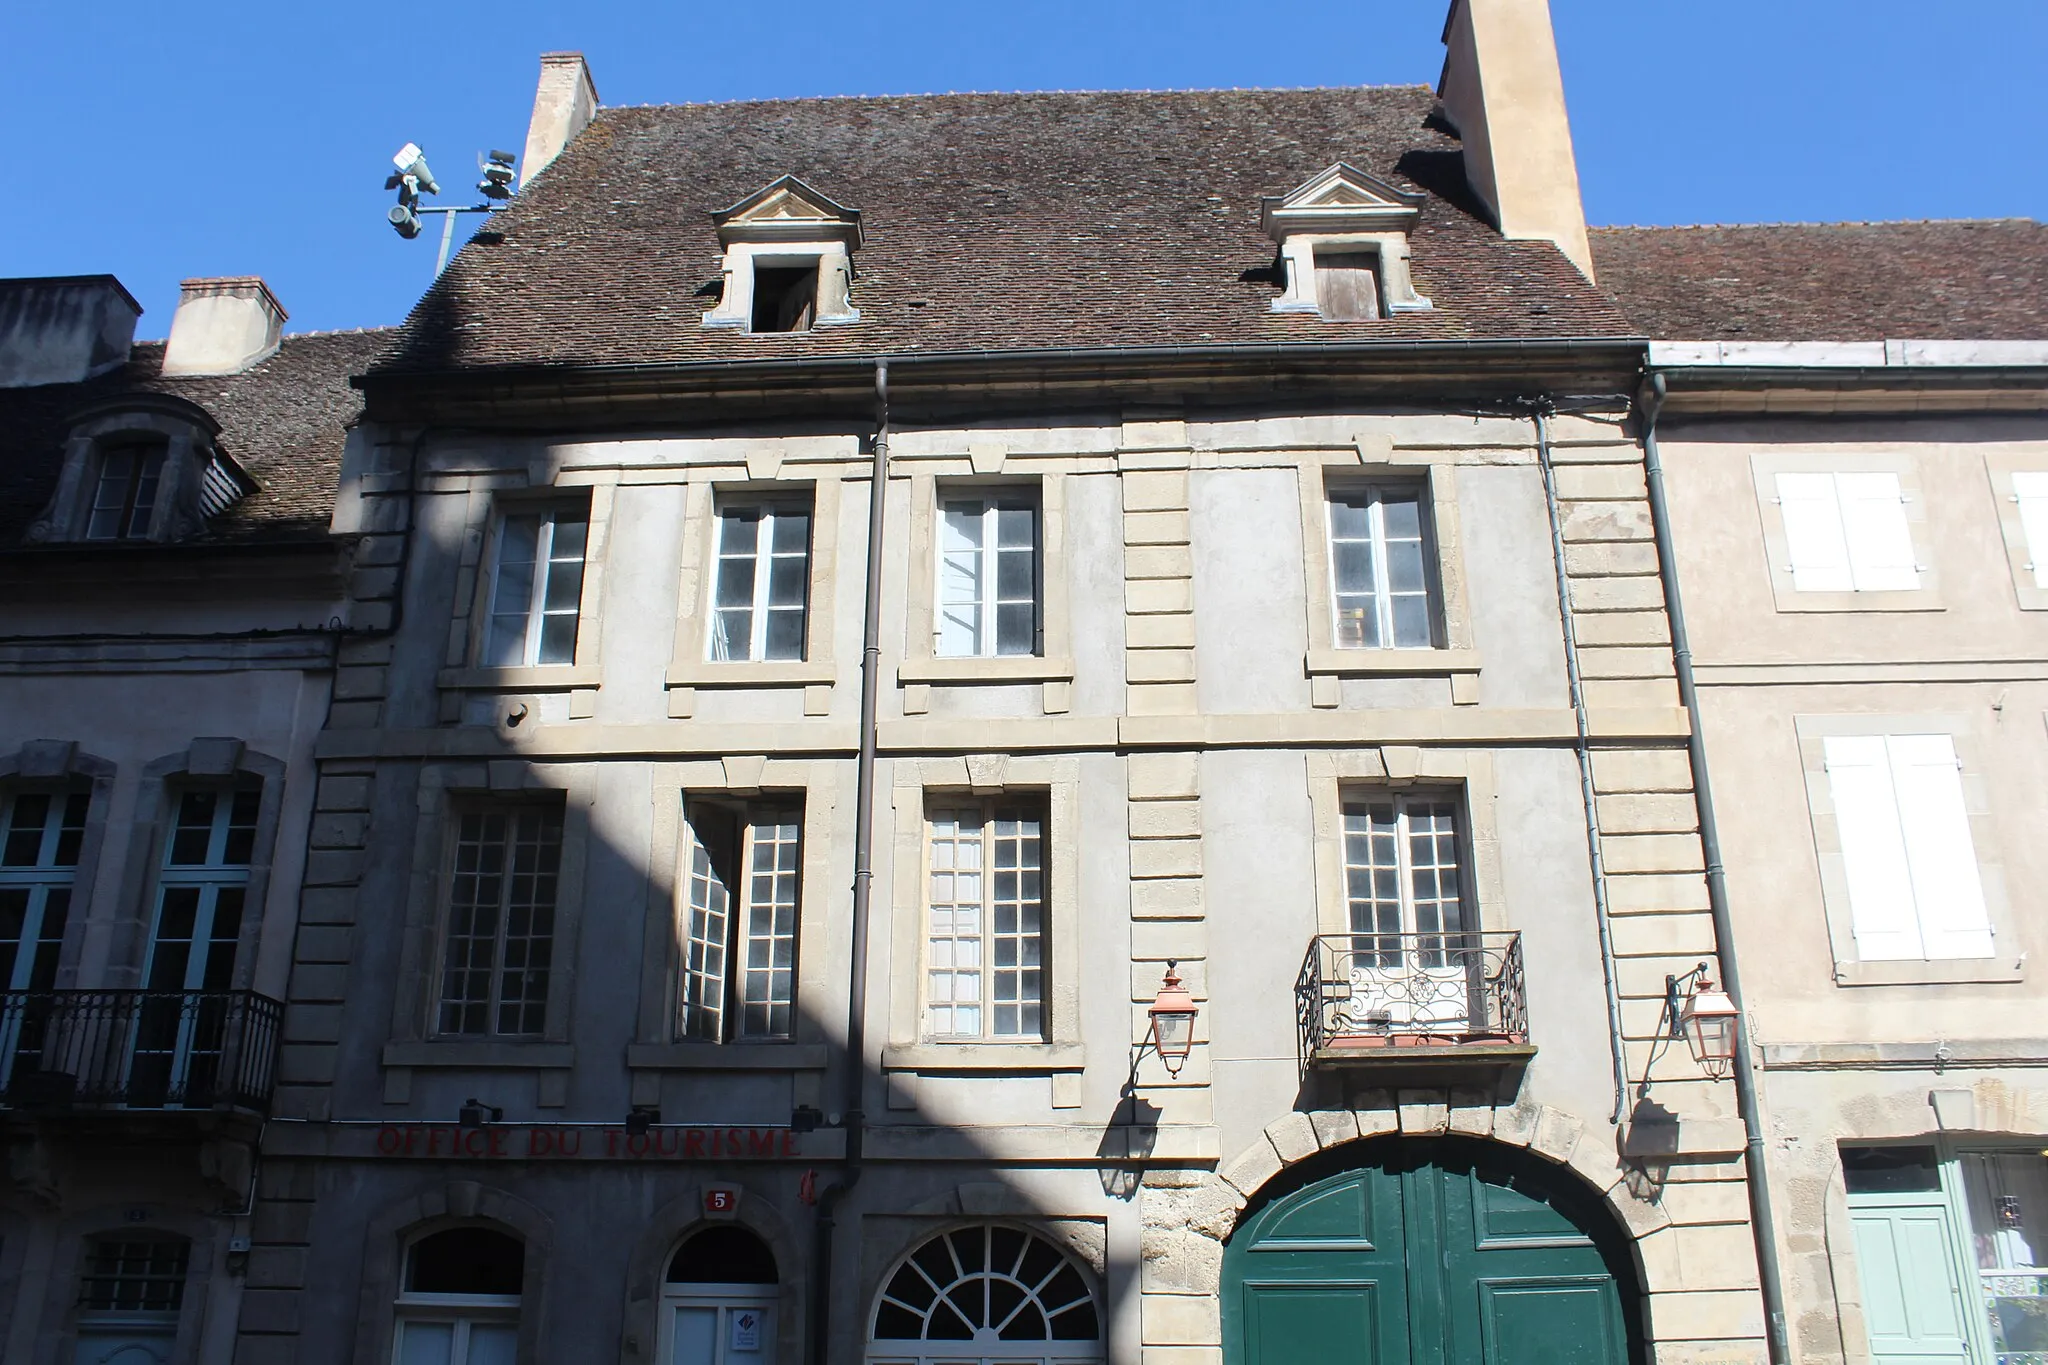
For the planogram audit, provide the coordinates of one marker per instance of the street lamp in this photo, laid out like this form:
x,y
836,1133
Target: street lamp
x,y
1173,1022
1705,1017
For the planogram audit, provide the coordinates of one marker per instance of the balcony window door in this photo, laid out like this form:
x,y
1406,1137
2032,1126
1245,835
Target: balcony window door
x,y
739,930
41,834
537,588
989,577
1405,889
985,945
763,582
202,890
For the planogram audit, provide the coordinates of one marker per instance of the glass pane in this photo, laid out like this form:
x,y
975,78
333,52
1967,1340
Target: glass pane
x,y
571,531
739,531
2008,1198
426,1343
735,582
695,1333
785,635
1889,1170
1016,628
558,640
1015,528
1350,518
1402,516
1352,563
786,583
24,842
792,535
565,587
1404,565
493,1343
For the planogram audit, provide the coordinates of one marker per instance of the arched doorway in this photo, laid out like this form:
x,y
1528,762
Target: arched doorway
x,y
1429,1253
718,1300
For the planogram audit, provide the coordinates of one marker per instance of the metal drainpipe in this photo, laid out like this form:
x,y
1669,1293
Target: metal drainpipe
x,y
1539,414
854,1061
1763,1227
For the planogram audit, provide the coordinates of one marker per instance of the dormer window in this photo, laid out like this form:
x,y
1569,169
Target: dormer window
x,y
124,497
1343,238
788,263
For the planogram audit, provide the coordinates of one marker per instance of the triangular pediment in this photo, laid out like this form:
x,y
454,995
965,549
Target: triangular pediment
x,y
1341,198
786,209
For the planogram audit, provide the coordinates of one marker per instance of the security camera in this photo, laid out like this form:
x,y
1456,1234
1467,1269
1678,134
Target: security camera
x,y
404,221
412,165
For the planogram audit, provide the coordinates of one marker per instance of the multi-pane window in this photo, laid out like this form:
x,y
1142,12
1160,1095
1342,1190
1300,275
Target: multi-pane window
x,y
41,834
985,948
460,1300
537,588
762,581
134,1275
1403,876
499,943
739,935
1847,532
1379,568
124,497
1907,857
988,600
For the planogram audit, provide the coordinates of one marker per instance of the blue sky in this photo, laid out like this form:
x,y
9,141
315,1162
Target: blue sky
x,y
159,141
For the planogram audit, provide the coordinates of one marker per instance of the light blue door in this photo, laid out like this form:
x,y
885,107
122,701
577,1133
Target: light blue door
x,y
1913,1301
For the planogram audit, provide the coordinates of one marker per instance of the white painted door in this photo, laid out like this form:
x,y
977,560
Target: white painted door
x,y
714,1328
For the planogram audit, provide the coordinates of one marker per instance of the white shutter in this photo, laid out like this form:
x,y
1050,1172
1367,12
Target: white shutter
x,y
1813,533
1881,912
1946,887
2030,491
1874,524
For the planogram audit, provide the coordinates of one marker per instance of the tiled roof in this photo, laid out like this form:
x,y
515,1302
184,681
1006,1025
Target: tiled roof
x,y
284,422
1979,280
992,222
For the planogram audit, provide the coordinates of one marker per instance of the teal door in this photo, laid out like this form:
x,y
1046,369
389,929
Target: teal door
x,y
1912,1297
1445,1261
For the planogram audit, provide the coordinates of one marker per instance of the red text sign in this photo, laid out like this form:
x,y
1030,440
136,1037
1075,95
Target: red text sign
x,y
516,1142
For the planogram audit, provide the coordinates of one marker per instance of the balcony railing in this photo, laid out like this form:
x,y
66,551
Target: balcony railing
x,y
1362,992
137,1050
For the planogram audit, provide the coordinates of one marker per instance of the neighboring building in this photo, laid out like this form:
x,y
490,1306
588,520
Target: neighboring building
x,y
1855,432
1219,629
170,602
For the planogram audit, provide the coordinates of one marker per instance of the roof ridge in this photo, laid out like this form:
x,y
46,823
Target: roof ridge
x,y
1812,223
956,94
299,336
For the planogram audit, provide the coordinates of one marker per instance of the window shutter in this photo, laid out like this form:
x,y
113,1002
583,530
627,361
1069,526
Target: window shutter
x,y
1813,533
2030,491
1881,912
1874,524
1946,887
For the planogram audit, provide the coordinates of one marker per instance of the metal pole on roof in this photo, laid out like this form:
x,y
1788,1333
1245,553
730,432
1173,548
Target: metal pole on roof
x,y
448,229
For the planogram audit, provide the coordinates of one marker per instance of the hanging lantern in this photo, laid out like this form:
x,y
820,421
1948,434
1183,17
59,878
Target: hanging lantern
x,y
1173,1022
1709,1021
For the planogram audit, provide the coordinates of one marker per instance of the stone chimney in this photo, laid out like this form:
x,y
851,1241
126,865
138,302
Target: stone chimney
x,y
223,326
563,106
1502,90
63,328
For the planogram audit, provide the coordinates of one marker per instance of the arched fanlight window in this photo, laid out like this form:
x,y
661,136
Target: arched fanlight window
x,y
1012,1295
130,1295
459,1304
719,1301
722,1254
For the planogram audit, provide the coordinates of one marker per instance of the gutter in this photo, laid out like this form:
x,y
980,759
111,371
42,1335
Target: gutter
x,y
854,1060
1762,1225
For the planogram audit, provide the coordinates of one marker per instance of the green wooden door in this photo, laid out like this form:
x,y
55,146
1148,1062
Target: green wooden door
x,y
1450,1262
1912,1297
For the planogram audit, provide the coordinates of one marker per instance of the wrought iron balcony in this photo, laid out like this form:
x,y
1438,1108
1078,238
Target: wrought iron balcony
x,y
1413,1001
70,1051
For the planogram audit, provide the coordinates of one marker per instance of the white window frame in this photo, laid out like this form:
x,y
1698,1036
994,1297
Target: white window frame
x,y
772,512
1901,577
1383,594
2019,484
518,813
210,877
1850,932
982,1350
723,1300
732,979
987,601
40,880
943,858
536,611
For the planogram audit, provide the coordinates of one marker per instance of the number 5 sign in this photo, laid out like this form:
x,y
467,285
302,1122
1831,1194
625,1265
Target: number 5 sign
x,y
721,1201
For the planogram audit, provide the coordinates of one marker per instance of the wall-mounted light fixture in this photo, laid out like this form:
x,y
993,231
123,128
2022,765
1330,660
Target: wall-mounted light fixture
x,y
1172,1034
640,1119
1701,1013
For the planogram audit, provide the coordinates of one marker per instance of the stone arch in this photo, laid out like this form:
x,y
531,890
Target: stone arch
x,y
449,1204
670,1226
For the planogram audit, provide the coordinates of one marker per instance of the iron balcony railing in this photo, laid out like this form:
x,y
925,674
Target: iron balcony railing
x,y
1362,991
138,1050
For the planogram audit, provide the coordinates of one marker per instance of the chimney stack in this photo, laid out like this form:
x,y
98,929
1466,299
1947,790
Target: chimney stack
x,y
63,328
223,326
563,105
1502,90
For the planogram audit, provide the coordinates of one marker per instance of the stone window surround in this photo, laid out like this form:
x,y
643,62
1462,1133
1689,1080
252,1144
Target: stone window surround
x,y
1971,748
491,500
656,1048
443,789
681,1218
689,668
458,1203
834,305
1298,252
984,775
922,665
189,433
2000,466
1766,465
1380,462
208,1288
1464,775
46,764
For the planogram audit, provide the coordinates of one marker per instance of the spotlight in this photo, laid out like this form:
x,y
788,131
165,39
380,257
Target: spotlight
x,y
475,1114
497,181
641,1119
804,1119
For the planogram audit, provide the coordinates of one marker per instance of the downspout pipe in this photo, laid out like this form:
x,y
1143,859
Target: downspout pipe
x,y
854,1061
1539,413
1762,1225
